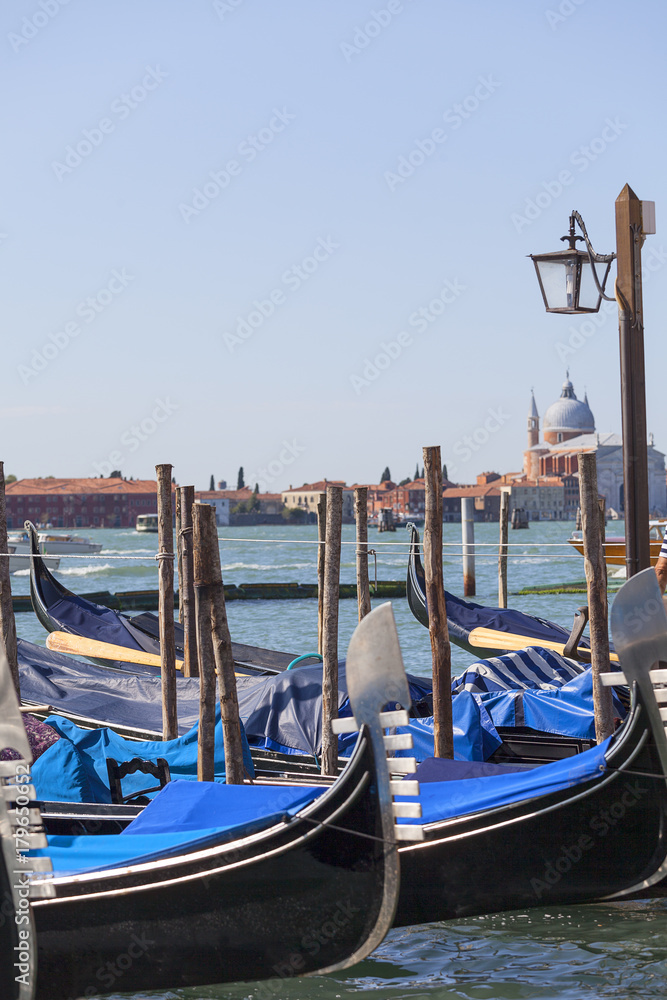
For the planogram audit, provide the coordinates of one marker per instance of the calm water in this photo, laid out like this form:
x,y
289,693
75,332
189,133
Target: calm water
x,y
574,953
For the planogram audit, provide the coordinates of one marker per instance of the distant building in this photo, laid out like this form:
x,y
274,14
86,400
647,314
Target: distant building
x,y
486,501
306,497
569,430
215,499
80,503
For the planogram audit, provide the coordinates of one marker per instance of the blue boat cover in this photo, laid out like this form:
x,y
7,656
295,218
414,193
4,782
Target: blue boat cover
x,y
526,668
567,710
185,815
74,769
475,736
447,799
444,769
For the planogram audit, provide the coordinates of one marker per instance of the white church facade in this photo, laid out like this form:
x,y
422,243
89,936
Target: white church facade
x,y
569,429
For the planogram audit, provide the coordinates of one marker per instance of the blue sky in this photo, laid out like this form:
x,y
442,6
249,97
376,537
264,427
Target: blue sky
x,y
218,216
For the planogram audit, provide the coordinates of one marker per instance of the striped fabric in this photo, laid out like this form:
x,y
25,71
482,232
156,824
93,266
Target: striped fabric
x,y
663,550
527,668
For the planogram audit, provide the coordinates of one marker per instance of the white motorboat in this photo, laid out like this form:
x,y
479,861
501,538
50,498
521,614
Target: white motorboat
x,y
54,545
21,560
147,522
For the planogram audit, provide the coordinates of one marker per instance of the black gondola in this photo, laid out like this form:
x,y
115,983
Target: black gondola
x,y
603,837
465,616
308,887
59,610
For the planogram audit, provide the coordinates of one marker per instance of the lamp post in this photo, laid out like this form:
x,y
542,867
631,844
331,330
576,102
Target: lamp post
x,y
570,284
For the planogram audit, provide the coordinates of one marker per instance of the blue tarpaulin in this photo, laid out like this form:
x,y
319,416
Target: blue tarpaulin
x,y
74,769
446,799
185,815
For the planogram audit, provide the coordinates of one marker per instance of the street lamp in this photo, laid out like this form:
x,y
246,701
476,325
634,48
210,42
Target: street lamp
x,y
569,280
570,284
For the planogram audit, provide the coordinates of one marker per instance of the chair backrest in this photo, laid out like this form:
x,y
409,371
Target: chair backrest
x,y
158,769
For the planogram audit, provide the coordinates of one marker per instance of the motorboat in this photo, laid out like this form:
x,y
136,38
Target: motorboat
x,y
53,544
147,522
614,545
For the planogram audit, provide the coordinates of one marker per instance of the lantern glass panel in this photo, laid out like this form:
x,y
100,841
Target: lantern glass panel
x,y
558,280
589,297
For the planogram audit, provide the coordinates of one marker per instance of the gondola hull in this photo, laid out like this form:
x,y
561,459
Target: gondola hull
x,y
606,837
294,900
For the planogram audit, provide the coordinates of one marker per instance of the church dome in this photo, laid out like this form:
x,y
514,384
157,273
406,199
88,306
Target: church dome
x,y
569,415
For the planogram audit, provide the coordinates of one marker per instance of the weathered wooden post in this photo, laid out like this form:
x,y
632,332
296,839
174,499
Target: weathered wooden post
x,y
502,549
361,517
330,628
321,549
206,656
210,580
165,558
441,651
596,585
629,240
7,620
186,587
468,545
179,555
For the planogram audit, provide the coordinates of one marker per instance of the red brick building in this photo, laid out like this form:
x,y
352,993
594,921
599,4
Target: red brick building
x,y
80,503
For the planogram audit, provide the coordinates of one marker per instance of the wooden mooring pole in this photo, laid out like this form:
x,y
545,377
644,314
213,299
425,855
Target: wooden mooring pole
x,y
596,585
321,549
210,587
179,555
330,628
165,557
502,549
205,655
468,545
441,650
361,516
7,620
186,586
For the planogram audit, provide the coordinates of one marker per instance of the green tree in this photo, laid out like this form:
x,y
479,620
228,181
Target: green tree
x,y
240,481
10,479
417,471
444,473
211,485
404,481
386,475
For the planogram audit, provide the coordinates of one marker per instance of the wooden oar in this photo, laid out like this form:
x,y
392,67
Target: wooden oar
x,y
63,642
488,638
